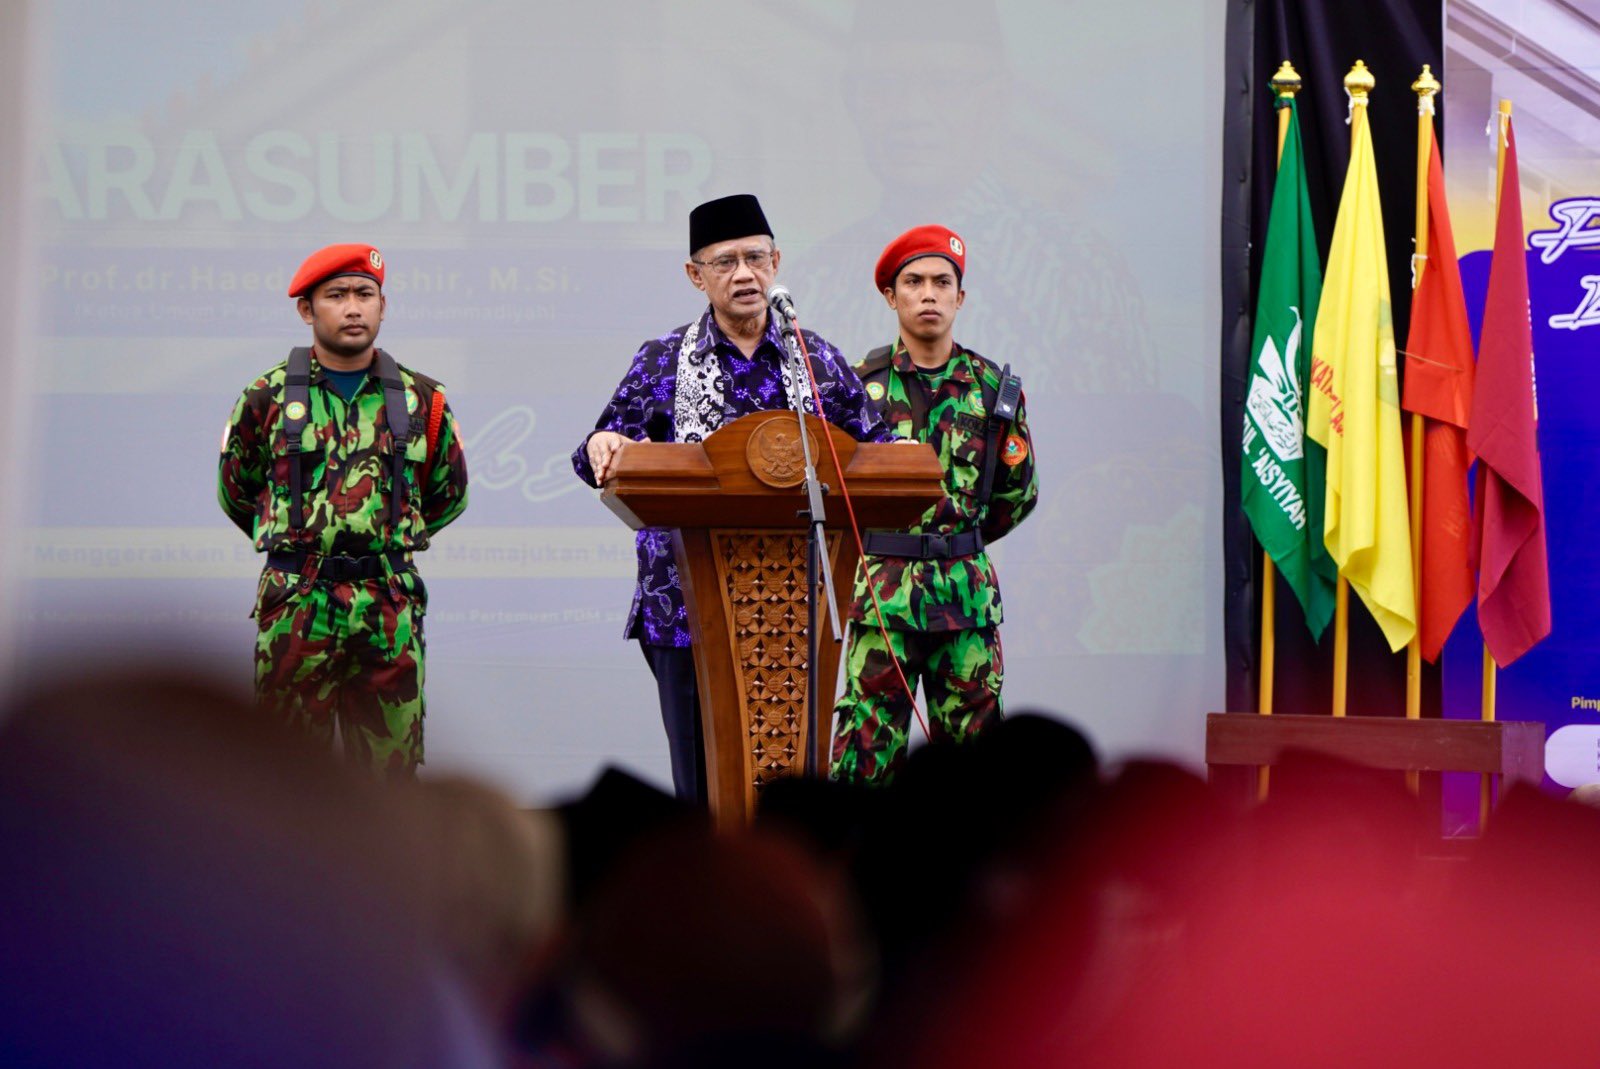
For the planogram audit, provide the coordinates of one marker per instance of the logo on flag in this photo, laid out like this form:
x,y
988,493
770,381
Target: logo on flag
x,y
1274,399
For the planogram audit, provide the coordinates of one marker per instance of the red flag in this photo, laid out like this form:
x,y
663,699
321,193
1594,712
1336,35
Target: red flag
x,y
1513,571
1439,388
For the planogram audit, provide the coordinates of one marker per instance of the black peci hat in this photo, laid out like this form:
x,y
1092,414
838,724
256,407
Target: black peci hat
x,y
725,218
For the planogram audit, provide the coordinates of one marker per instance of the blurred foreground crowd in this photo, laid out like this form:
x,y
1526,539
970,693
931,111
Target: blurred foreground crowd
x,y
182,884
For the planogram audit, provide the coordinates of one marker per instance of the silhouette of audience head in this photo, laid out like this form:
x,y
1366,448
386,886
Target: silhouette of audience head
x,y
187,884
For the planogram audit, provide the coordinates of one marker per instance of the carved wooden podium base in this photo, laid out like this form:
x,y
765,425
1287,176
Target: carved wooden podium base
x,y
737,503
751,641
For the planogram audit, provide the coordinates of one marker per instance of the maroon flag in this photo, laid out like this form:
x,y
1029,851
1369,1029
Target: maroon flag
x,y
1439,388
1513,570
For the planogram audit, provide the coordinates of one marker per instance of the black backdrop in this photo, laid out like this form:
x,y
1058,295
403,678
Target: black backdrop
x,y
1323,39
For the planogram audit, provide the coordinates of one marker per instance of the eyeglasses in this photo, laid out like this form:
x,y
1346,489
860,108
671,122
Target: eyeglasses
x,y
725,265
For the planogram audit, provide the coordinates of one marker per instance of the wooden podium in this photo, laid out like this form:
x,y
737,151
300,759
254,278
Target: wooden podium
x,y
736,502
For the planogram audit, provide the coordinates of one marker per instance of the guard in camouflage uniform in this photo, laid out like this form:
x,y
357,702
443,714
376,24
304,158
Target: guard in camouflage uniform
x,y
340,464
927,599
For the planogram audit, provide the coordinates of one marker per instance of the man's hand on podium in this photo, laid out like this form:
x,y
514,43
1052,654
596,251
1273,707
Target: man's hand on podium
x,y
605,447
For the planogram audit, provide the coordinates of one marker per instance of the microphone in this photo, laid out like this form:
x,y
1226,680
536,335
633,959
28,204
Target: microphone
x,y
778,297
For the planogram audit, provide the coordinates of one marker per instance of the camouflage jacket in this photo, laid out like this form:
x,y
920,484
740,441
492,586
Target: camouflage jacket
x,y
347,468
950,595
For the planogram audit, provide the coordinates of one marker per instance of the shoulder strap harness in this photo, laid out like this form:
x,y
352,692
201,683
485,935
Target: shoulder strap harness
x,y
296,406
435,421
394,405
1002,410
1000,405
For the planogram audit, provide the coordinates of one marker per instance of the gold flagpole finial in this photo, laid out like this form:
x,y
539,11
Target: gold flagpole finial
x,y
1286,83
1426,87
1426,84
1359,82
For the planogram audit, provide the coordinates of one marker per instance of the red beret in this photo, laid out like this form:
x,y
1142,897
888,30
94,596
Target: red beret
x,y
919,241
333,261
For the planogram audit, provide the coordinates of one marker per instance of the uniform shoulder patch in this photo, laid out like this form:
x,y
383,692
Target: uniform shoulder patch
x,y
1016,450
875,390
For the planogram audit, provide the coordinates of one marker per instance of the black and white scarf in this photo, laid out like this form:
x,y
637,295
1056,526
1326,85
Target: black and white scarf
x,y
699,402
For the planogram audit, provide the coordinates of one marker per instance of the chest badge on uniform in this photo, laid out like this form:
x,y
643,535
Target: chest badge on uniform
x,y
1016,450
295,410
411,399
875,390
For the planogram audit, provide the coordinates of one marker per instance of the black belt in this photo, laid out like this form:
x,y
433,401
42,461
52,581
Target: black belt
x,y
340,569
924,546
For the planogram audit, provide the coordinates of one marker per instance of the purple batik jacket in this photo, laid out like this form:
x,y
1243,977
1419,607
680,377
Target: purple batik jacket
x,y
642,408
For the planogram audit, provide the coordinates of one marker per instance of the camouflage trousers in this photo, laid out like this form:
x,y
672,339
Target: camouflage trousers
x,y
343,662
960,672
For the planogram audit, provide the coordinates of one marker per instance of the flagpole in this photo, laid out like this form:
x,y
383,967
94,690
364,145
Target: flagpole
x,y
1487,701
1357,84
1426,87
1286,83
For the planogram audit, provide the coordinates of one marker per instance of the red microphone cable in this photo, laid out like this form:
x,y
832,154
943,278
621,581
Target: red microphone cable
x,y
855,531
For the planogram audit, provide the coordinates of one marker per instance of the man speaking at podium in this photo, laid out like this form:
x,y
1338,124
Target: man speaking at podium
x,y
681,387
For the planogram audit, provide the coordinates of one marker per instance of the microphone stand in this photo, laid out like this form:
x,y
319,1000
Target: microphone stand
x,y
817,562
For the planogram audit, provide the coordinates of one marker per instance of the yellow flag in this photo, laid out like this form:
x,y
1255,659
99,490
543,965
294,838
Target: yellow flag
x,y
1354,410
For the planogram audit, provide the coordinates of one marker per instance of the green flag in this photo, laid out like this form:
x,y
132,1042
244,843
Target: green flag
x,y
1282,479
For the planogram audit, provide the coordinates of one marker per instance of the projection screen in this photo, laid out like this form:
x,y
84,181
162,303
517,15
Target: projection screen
x,y
527,171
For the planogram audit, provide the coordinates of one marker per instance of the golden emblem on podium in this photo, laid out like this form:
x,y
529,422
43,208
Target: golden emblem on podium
x,y
775,456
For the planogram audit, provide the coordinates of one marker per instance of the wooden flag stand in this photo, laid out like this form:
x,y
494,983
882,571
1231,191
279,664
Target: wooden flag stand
x,y
1512,751
1509,752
